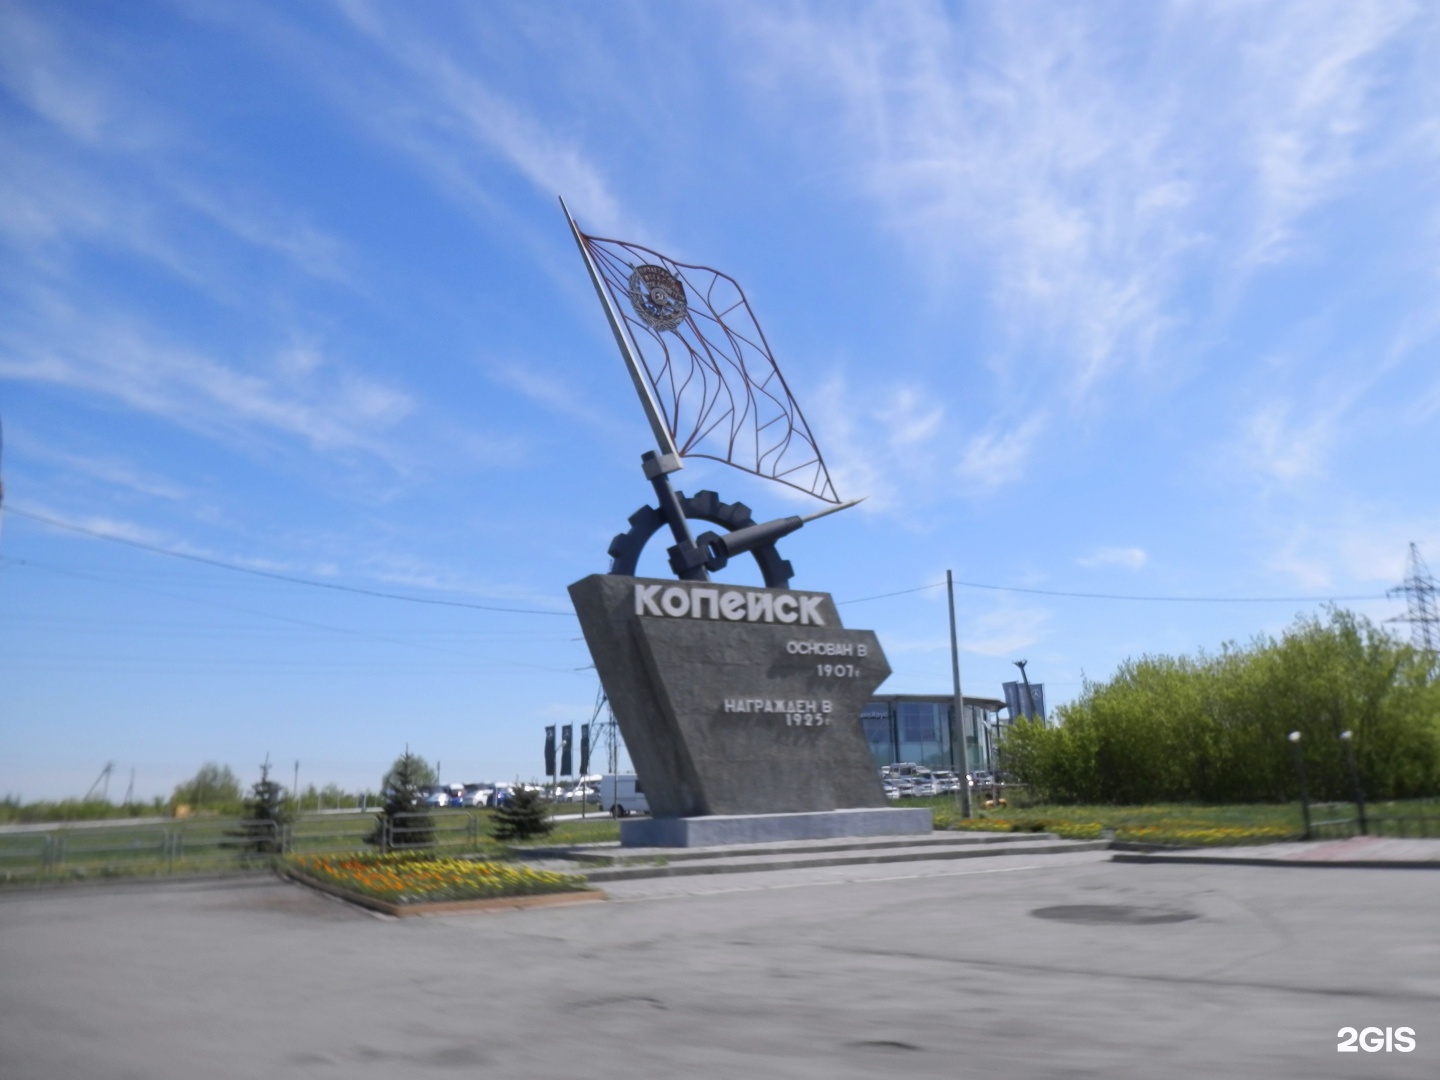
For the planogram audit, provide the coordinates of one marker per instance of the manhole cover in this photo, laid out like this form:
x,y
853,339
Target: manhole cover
x,y
1126,914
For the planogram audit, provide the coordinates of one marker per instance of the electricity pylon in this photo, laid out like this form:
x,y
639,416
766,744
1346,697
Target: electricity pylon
x,y
1422,611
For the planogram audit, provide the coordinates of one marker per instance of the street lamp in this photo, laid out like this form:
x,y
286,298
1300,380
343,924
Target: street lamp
x,y
1300,772
1348,740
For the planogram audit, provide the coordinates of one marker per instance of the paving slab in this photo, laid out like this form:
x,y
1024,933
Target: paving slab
x,y
612,862
758,863
612,853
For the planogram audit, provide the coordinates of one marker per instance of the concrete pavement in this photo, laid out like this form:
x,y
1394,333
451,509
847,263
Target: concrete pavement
x,y
1060,966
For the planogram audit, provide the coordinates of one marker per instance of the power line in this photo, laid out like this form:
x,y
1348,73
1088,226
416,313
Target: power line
x,y
350,631
293,580
157,550
1123,596
902,592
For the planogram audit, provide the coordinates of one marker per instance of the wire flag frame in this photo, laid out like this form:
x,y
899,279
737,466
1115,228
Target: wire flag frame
x,y
717,385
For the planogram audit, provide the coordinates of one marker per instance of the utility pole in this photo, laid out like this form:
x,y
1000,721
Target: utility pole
x,y
295,787
958,758
104,778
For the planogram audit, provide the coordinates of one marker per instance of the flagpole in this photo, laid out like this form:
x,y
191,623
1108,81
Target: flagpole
x,y
686,558
669,455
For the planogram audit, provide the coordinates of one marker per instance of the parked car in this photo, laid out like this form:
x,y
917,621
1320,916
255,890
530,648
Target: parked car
x,y
898,770
476,795
946,783
982,778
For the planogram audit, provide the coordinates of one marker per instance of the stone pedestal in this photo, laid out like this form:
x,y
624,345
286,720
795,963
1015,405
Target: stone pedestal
x,y
735,700
720,829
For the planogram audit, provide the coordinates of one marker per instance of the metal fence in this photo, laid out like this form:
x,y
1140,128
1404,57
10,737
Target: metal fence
x,y
1341,820
218,845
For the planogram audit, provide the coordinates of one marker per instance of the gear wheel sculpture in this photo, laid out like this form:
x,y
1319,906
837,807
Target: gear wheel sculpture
x,y
625,549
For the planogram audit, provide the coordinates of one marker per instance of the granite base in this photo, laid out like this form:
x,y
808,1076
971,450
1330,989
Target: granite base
x,y
719,829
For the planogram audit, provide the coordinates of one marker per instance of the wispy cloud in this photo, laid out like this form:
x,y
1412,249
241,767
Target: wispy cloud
x,y
1006,631
41,72
427,97
1312,73
1353,546
1130,558
113,471
880,442
556,394
284,232
107,165
324,404
998,456
1283,449
1095,163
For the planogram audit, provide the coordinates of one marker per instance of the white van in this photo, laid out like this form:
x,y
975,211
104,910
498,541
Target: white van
x,y
621,795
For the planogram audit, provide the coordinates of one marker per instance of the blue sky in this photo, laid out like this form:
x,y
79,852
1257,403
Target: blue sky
x,y
1131,298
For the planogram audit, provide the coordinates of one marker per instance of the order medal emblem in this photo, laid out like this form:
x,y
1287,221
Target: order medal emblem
x,y
657,297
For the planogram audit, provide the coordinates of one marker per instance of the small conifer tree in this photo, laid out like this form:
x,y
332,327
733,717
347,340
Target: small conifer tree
x,y
524,817
403,822
266,815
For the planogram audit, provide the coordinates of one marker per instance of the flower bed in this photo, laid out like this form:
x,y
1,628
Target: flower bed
x,y
415,878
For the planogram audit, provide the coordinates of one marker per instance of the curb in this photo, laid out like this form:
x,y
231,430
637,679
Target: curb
x,y
136,881
613,857
1238,860
697,867
444,907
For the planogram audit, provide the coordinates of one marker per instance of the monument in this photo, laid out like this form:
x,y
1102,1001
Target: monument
x,y
740,705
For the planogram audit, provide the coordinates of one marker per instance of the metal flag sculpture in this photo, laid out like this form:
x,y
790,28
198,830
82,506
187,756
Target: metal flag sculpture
x,y
711,376
710,388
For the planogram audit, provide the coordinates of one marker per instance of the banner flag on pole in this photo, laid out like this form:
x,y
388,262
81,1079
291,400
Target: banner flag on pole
x,y
1021,700
566,733
584,749
550,750
715,381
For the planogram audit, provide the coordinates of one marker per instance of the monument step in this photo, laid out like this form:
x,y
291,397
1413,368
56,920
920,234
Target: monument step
x,y
612,854
751,863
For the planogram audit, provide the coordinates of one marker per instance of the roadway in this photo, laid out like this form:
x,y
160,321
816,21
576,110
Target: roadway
x,y
1061,966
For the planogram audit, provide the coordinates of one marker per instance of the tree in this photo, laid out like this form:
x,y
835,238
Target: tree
x,y
266,815
213,786
419,771
525,816
1212,728
403,822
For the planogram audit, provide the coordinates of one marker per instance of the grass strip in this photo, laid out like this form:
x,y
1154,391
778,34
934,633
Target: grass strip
x,y
1182,824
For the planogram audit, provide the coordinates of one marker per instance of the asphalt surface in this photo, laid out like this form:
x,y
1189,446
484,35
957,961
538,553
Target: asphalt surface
x,y
1357,851
1055,966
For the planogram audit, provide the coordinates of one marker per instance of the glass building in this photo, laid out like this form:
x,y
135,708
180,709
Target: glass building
x,y
916,728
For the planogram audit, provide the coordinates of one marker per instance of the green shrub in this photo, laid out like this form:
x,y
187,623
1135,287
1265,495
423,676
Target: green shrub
x,y
524,818
1213,728
403,821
